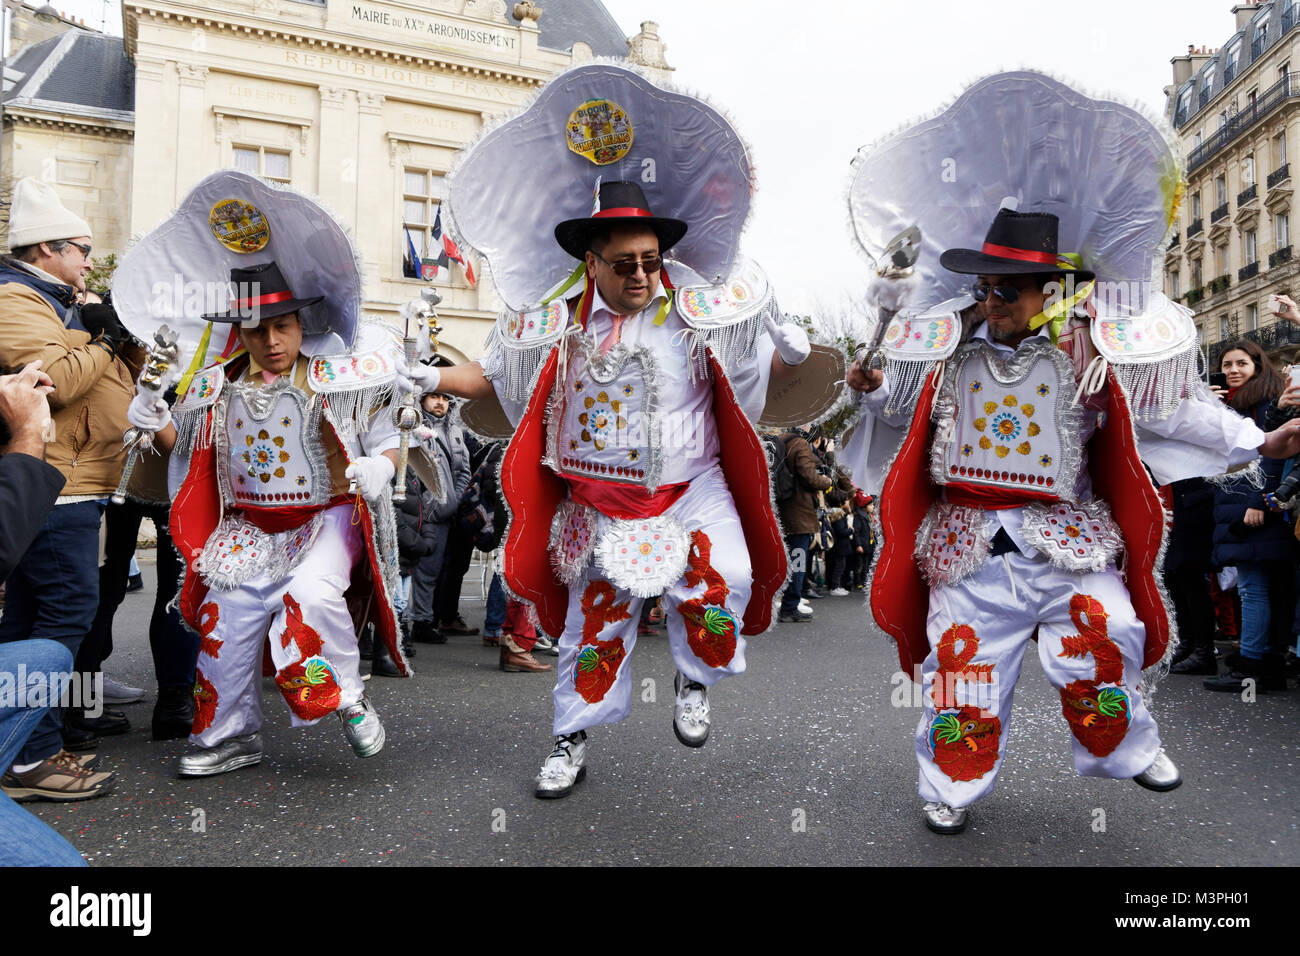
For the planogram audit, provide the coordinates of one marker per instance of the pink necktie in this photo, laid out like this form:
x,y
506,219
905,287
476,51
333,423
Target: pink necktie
x,y
614,334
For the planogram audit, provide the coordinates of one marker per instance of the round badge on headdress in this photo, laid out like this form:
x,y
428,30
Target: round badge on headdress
x,y
600,130
239,226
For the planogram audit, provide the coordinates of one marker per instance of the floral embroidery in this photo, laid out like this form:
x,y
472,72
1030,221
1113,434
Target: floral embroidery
x,y
1044,390
205,703
976,386
209,616
601,420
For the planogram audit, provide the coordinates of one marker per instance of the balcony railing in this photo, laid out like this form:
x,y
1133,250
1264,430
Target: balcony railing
x,y
1277,336
1290,18
1248,271
1246,195
1277,258
1281,174
1220,212
1229,73
1257,47
1173,243
1195,228
1265,103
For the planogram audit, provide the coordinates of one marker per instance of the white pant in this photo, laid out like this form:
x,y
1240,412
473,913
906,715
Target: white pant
x,y
313,641
1090,644
594,683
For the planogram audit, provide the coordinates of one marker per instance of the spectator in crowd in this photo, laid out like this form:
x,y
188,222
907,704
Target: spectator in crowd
x,y
1254,538
452,457
28,489
864,540
53,592
1187,570
799,517
417,538
839,573
460,536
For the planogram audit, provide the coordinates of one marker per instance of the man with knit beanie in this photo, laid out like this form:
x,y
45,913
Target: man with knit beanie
x,y
54,590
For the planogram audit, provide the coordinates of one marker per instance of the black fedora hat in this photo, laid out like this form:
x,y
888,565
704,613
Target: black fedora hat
x,y
1018,243
617,204
260,292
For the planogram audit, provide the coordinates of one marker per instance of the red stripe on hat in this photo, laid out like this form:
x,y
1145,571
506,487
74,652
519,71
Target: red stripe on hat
x,y
622,211
267,299
1024,255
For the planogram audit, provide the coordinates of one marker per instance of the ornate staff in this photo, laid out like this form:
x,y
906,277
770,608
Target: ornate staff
x,y
406,416
163,354
895,265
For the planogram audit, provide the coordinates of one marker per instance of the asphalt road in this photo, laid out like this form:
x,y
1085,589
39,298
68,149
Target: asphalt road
x,y
808,763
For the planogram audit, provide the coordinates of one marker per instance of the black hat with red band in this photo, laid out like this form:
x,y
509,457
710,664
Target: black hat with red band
x,y
1018,243
260,292
617,204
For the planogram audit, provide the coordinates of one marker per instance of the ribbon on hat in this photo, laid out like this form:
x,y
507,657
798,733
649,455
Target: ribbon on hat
x,y
1055,315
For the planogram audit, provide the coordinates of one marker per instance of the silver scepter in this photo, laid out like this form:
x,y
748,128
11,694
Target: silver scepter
x,y
163,354
406,416
895,263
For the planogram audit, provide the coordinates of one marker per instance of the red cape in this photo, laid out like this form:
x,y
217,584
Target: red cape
x,y
900,598
194,516
534,492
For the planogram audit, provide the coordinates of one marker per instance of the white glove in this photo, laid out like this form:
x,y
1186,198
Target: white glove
x,y
372,475
148,412
790,340
422,379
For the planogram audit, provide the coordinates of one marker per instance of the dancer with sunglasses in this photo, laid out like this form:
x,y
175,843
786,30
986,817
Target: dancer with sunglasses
x,y
1028,405
634,385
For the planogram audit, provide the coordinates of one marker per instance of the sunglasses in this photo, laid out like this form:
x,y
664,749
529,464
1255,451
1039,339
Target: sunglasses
x,y
1007,293
626,267
85,250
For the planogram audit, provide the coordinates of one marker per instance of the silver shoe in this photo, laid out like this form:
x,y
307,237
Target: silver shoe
x,y
546,646
1161,776
364,729
564,768
690,711
115,692
942,818
226,756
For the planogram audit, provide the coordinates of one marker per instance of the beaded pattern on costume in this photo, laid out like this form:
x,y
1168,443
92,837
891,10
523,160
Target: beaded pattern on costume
x,y
605,424
1098,716
710,625
644,555
1008,423
355,387
913,345
1075,538
237,550
190,413
270,453
1155,356
596,666
573,538
952,542
521,341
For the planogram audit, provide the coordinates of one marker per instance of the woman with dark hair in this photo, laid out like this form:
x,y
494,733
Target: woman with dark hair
x,y
1254,538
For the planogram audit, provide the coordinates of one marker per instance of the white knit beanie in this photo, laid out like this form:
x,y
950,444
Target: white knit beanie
x,y
36,215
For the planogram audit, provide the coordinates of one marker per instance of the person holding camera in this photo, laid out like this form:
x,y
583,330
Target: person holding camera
x,y
1254,536
53,592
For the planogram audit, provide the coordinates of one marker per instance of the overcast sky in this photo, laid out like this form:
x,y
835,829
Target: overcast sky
x,y
807,83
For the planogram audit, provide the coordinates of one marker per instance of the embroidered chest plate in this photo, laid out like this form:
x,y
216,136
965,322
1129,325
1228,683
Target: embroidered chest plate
x,y
604,421
273,452
1009,423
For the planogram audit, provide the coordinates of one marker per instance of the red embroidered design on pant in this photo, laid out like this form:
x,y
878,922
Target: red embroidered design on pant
x,y
596,666
205,703
209,616
1098,716
965,743
710,626
297,630
310,687
956,665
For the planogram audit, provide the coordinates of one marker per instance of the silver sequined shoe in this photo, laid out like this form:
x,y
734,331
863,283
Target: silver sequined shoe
x,y
226,756
363,728
564,768
690,711
942,818
1161,776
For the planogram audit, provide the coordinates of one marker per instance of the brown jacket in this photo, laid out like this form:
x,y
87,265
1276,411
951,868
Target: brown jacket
x,y
799,511
91,390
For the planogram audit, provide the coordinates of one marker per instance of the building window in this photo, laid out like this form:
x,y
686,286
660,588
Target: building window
x,y
1196,140
1248,171
422,194
1225,327
1174,290
1220,191
1198,274
1252,318
270,164
1281,230
1280,149
1221,259
1196,201
1207,81
1248,246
